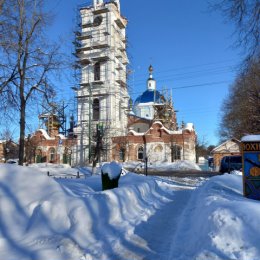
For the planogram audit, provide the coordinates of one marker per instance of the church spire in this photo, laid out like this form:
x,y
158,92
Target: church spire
x,y
151,83
150,71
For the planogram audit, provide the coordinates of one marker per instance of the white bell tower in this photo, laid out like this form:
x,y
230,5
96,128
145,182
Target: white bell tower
x,y
103,95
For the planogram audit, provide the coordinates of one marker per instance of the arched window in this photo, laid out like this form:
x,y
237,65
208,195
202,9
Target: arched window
x,y
52,155
97,71
122,154
96,109
140,154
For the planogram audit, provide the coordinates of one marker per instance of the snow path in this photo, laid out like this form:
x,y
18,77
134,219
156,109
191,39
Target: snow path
x,y
159,230
161,227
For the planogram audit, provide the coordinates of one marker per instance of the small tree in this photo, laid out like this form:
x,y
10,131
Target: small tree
x,y
26,59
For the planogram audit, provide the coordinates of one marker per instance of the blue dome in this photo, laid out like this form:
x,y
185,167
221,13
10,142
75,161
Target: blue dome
x,y
149,96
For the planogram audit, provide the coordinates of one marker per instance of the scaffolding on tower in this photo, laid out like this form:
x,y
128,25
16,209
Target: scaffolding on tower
x,y
100,70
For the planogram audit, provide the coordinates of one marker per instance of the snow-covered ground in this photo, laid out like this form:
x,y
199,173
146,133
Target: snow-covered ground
x,y
150,218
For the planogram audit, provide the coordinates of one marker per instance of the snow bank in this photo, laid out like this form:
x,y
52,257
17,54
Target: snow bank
x,y
181,165
64,219
145,218
218,223
59,170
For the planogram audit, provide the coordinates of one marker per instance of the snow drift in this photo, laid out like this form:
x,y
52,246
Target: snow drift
x,y
145,218
43,218
218,223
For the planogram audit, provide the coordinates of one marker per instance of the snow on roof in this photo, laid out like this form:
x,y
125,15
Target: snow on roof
x,y
250,138
189,126
145,104
136,133
158,122
171,132
61,136
131,113
225,144
45,134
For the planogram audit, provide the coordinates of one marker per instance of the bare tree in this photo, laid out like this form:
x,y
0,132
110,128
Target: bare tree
x,y
27,59
245,14
241,109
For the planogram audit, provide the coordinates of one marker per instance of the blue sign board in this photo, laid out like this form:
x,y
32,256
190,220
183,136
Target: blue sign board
x,y
251,169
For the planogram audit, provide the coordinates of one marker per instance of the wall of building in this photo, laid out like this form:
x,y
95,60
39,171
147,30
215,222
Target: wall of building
x,y
8,150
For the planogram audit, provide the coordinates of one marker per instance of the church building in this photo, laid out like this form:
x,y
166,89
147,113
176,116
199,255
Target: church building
x,y
152,130
109,126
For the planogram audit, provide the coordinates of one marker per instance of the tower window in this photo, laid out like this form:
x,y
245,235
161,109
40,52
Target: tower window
x,y
97,71
96,109
97,20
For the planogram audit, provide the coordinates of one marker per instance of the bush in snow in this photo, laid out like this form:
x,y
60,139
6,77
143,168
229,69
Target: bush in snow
x,y
110,174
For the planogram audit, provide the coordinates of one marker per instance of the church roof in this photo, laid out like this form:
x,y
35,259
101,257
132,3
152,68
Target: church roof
x,y
149,96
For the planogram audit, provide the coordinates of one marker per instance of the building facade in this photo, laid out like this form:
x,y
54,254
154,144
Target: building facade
x,y
102,96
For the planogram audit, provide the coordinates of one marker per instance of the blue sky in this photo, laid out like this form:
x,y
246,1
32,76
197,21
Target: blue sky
x,y
189,47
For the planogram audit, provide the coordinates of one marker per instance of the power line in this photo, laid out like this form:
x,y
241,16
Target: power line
x,y
190,67
191,86
190,74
